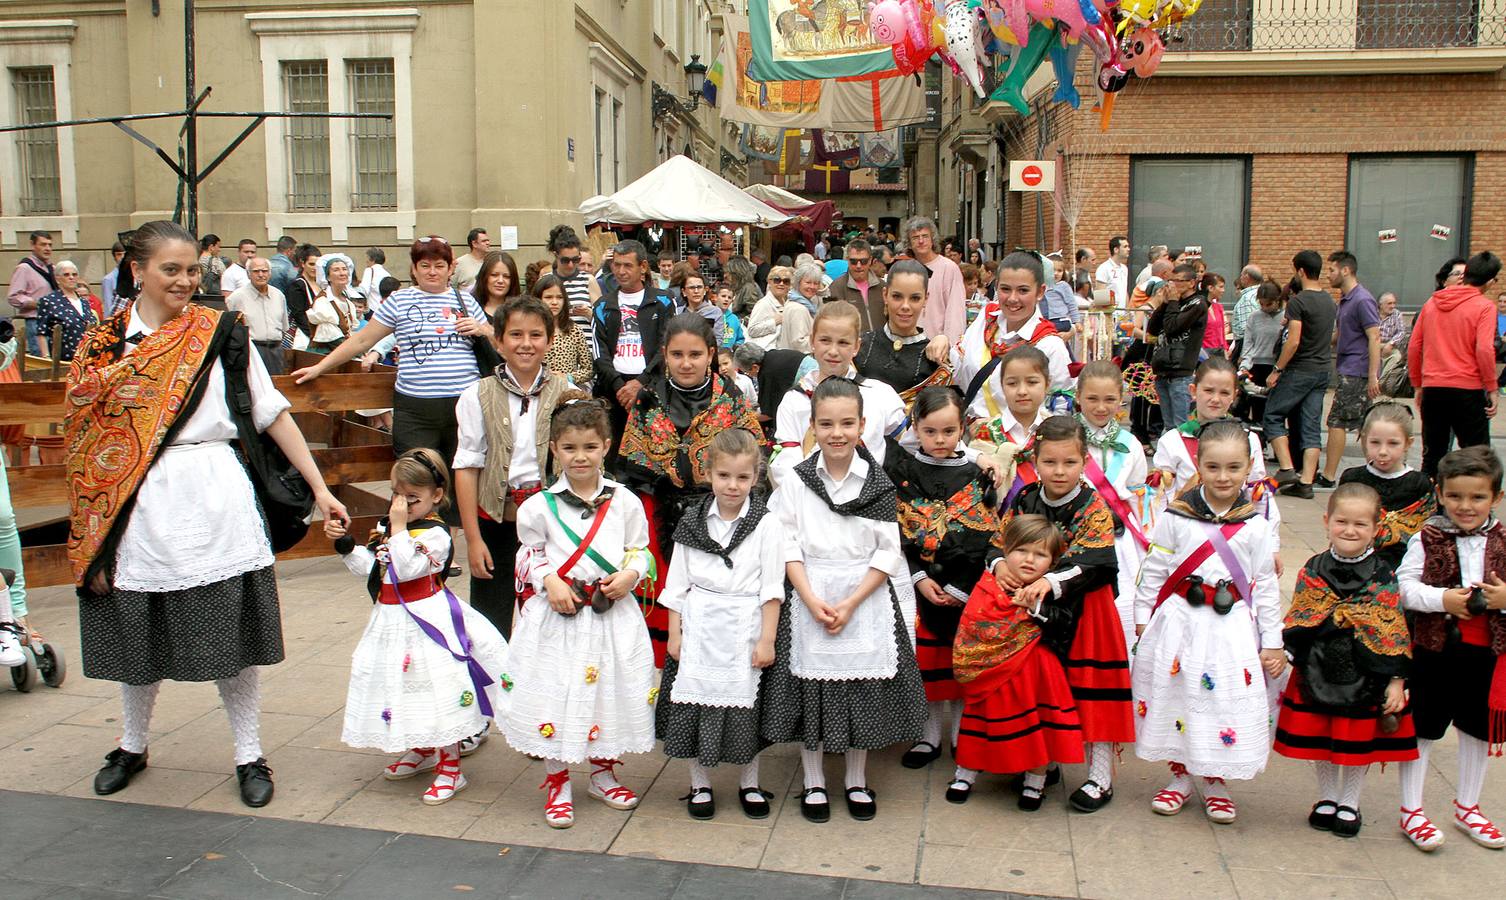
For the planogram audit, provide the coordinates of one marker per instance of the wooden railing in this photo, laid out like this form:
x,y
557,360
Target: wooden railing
x,y
348,454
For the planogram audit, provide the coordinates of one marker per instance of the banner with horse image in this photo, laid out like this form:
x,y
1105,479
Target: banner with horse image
x,y
806,39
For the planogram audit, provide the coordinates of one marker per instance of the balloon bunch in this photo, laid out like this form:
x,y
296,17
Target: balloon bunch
x,y
1127,37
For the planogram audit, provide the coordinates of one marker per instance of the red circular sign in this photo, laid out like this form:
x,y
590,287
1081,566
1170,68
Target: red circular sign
x,y
1031,175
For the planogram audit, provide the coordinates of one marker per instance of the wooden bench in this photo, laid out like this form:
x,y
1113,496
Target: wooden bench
x,y
348,452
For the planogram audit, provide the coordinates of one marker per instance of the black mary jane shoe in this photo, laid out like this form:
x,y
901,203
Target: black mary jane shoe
x,y
256,783
1030,799
859,808
120,766
1347,828
959,790
1323,821
1083,800
700,809
818,812
1053,777
916,758
755,802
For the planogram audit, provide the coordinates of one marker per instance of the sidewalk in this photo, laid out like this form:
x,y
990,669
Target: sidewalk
x,y
52,741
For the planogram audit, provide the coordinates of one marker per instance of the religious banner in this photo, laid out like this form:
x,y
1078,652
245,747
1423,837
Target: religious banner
x,y
762,142
834,146
801,39
873,104
827,178
881,150
775,104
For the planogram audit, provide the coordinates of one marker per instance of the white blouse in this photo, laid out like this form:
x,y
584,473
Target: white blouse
x,y
1420,597
1171,454
326,315
883,413
1177,537
472,447
757,563
811,529
196,521
622,539
1123,470
411,556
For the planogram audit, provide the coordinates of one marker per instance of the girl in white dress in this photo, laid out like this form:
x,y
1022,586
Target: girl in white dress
x,y
1116,460
844,676
424,675
1214,387
581,679
1208,612
723,591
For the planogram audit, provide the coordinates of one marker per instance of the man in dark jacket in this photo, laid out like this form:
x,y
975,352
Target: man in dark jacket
x,y
858,287
1178,318
628,330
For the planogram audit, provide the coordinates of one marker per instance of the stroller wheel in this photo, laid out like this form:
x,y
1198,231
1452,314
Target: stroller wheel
x,y
24,676
52,666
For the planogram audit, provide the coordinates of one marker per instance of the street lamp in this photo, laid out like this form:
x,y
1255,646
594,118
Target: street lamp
x,y
666,103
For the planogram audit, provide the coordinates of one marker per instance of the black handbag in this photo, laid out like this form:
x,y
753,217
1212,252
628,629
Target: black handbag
x,y
487,357
286,499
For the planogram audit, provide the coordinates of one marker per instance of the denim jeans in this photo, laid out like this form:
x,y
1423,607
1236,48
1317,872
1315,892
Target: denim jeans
x,y
1175,395
1304,392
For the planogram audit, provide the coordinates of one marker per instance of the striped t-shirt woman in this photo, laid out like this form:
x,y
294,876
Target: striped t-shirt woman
x,y
434,360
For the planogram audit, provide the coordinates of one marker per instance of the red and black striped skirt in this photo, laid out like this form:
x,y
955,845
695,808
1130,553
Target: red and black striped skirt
x,y
934,657
1026,721
1098,670
1308,731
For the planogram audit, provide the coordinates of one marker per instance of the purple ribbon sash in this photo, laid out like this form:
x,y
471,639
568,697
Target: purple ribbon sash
x,y
479,678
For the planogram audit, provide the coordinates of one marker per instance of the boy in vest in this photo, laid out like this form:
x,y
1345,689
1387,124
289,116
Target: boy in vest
x,y
1451,579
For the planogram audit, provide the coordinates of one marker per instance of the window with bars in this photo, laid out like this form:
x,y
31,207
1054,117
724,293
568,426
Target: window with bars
x,y
305,88
373,142
37,150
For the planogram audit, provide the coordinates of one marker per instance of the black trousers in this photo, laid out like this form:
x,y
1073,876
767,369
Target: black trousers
x,y
428,422
493,597
271,355
1450,413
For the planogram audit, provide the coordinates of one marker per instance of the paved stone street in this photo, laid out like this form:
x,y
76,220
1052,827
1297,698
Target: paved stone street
x,y
52,741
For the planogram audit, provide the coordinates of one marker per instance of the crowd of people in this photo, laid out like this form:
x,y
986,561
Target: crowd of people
x,y
853,511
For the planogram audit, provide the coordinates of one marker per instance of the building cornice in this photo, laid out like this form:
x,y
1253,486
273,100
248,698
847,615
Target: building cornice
x,y
333,21
38,31
1333,62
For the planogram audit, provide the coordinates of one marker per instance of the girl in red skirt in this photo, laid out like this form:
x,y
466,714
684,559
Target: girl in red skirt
x,y
948,528
1096,660
1344,707
1019,714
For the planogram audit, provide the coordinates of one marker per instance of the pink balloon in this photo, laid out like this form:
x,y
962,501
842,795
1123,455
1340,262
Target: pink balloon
x,y
1067,12
1144,53
1015,18
886,21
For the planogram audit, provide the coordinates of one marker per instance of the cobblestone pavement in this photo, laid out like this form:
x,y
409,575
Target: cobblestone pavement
x,y
52,741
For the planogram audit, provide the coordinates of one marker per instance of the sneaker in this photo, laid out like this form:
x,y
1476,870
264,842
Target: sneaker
x,y
1297,489
1323,482
10,645
1284,477
411,763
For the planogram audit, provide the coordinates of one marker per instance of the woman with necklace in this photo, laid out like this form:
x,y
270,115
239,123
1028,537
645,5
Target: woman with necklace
x,y
667,437
899,353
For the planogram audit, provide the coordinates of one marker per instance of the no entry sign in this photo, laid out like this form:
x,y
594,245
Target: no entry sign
x,y
1032,175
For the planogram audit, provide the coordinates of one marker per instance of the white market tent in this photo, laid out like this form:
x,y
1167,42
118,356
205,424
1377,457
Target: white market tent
x,y
680,191
777,196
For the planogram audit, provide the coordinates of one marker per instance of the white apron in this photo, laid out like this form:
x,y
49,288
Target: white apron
x,y
864,649
718,633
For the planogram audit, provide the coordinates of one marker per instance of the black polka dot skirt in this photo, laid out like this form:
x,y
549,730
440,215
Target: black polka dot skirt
x,y
709,734
865,714
197,634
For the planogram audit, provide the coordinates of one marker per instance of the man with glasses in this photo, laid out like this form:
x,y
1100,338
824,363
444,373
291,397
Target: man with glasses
x,y
468,266
581,290
265,311
946,298
859,287
1178,319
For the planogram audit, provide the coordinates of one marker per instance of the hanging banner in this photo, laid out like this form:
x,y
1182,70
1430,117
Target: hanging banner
x,y
776,104
881,150
874,104
801,39
762,142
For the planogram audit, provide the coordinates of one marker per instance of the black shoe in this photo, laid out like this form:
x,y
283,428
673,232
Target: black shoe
x,y
700,809
861,809
815,811
1030,800
916,758
119,766
1323,482
1347,827
959,790
1297,489
1323,821
1083,800
755,802
1284,477
1053,776
256,783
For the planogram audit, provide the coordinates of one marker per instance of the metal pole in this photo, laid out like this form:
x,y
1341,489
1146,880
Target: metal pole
x,y
192,125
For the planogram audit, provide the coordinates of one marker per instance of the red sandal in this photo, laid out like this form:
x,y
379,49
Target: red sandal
x,y
614,794
1423,834
447,779
1480,829
1220,810
558,814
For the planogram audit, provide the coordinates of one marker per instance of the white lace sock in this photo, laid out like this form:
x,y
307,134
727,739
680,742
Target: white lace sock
x,y
857,768
1351,783
555,767
136,701
812,764
956,720
1473,753
1181,782
965,774
241,697
1215,787
700,776
1035,782
1328,782
1413,773
936,714
750,775
1101,763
